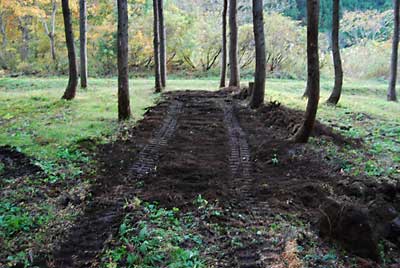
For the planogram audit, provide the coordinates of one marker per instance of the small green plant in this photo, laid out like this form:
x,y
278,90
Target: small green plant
x,y
14,219
382,254
371,169
275,160
18,260
72,155
155,241
200,202
2,168
330,256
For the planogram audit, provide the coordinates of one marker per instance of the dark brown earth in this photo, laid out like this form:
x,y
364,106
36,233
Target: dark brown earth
x,y
206,143
197,142
16,164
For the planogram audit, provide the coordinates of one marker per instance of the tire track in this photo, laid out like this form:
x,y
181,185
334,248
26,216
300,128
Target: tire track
x,y
103,216
148,157
239,158
264,254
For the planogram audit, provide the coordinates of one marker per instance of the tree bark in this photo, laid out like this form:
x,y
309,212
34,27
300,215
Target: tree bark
x,y
234,80
224,57
156,44
163,45
391,95
4,41
83,41
53,31
306,93
337,60
257,97
124,110
307,127
70,91
53,47
25,33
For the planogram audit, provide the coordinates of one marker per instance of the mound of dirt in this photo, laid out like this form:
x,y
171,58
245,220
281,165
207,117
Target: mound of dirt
x,y
351,226
289,120
15,164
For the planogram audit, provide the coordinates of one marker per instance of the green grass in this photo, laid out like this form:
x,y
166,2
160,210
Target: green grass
x,y
35,120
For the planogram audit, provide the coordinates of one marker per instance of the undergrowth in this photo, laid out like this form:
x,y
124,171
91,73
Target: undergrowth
x,y
155,237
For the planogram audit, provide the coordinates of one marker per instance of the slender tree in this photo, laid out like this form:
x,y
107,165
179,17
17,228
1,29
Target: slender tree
x,y
50,31
163,45
337,61
234,80
305,130
156,44
391,96
83,41
257,97
70,91
24,26
124,110
224,55
4,42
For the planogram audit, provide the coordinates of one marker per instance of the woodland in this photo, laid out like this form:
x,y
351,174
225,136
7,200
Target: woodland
x,y
199,133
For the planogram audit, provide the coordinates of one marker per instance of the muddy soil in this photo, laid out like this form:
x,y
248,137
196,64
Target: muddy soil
x,y
206,143
14,164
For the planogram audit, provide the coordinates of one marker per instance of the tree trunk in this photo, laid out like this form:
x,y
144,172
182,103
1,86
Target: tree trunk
x,y
257,97
156,43
25,34
124,110
70,91
306,92
53,48
391,96
52,32
83,41
4,41
307,127
337,90
224,45
234,80
163,45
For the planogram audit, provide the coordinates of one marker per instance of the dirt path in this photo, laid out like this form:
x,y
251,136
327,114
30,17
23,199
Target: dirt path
x,y
101,220
204,143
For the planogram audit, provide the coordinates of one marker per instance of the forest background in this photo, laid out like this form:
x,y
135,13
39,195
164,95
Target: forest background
x,y
31,46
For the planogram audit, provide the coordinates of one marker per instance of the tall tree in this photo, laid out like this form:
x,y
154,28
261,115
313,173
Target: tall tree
x,y
50,31
234,80
83,41
24,24
124,110
163,45
304,133
156,44
4,42
391,96
337,60
224,54
257,97
70,91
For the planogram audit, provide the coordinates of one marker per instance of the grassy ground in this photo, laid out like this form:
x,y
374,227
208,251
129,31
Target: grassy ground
x,y
35,121
34,118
